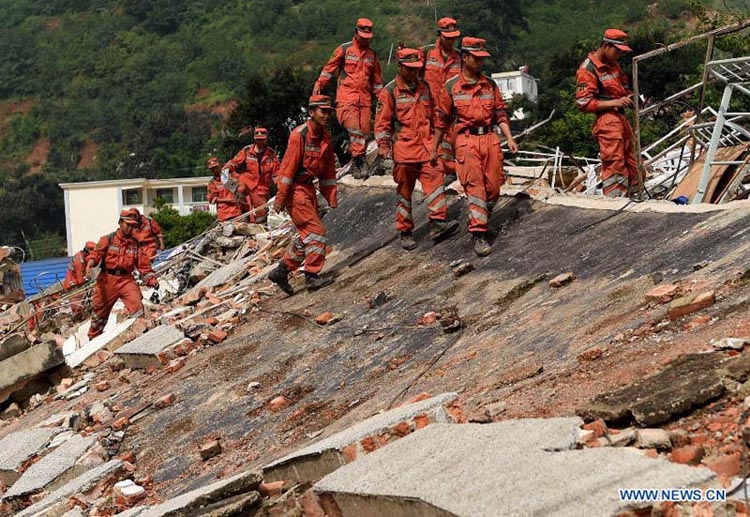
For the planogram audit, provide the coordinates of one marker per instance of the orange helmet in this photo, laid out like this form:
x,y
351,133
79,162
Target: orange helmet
x,y
90,245
213,162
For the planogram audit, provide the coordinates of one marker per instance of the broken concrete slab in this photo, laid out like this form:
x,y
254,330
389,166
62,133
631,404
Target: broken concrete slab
x,y
143,351
196,501
17,448
29,364
319,459
505,468
53,470
76,358
79,485
223,275
12,345
689,382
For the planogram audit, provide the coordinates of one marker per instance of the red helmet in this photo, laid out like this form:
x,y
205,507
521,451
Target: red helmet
x,y
90,245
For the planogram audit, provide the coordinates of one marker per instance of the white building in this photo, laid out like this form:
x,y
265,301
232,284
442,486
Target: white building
x,y
517,82
93,207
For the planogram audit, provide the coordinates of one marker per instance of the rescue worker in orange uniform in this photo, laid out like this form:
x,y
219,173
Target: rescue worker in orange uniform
x,y
443,62
150,240
357,69
308,156
227,204
604,89
117,255
404,130
76,273
472,104
257,166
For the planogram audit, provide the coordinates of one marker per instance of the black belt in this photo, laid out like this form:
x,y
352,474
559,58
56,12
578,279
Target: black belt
x,y
304,180
483,130
116,272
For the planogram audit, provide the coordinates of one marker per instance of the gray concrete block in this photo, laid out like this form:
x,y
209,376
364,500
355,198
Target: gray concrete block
x,y
81,484
29,363
142,351
319,459
55,469
17,448
223,275
518,468
193,502
12,345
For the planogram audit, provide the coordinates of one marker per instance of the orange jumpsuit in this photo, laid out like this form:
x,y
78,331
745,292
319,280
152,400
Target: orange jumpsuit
x,y
404,123
359,77
440,66
226,203
118,257
598,81
76,273
474,109
147,235
308,156
256,172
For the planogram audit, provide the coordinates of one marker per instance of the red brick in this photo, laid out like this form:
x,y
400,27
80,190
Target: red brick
x,y
428,318
651,453
418,398
698,439
213,299
210,449
598,427
727,465
687,305
272,489
311,505
217,336
324,318
662,293
163,358
590,354
102,386
129,457
278,403
349,452
175,364
401,429
456,412
689,455
120,423
698,321
382,439
562,279
166,400
421,421
368,444
212,321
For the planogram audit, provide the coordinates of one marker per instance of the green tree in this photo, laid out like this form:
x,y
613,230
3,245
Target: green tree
x,y
178,229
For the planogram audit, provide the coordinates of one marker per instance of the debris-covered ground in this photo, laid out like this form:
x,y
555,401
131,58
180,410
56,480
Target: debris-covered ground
x,y
563,319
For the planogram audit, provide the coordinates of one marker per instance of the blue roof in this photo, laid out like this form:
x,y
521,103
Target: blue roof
x,y
41,274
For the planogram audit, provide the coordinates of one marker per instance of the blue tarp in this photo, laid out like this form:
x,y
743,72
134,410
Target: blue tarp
x,y
41,274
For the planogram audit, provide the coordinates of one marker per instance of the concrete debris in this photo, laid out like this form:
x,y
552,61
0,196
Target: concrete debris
x,y
516,467
53,470
315,461
12,345
210,449
144,351
690,304
127,492
20,368
654,439
17,448
730,343
108,339
562,279
662,293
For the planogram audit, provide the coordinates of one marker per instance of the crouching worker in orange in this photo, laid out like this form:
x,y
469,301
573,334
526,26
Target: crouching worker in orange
x,y
471,102
603,88
227,206
257,165
404,126
117,255
308,156
76,273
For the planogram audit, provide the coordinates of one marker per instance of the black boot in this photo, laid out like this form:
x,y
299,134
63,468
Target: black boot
x,y
359,167
481,245
314,282
440,230
280,277
407,241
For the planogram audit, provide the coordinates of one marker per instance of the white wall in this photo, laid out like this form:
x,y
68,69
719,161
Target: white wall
x,y
91,212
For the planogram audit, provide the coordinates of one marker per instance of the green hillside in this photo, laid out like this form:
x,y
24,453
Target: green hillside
x,y
100,89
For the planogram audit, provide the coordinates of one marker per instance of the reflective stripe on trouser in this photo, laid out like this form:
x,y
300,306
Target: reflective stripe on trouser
x,y
479,165
619,171
446,153
310,245
108,289
406,176
257,200
357,120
